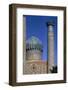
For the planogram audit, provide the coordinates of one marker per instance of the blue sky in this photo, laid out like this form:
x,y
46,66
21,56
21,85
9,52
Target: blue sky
x,y
36,26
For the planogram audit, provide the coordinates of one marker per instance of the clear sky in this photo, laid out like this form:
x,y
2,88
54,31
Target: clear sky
x,y
36,26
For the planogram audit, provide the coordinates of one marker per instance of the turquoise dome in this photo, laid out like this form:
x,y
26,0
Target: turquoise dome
x,y
33,43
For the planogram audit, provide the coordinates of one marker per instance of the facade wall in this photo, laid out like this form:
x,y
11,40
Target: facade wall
x,y
35,67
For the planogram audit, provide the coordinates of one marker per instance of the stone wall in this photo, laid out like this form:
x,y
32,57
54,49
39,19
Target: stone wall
x,y
35,67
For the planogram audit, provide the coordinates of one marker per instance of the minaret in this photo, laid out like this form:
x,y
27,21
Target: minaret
x,y
50,46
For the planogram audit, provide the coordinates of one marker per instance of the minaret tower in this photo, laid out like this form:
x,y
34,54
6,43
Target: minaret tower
x,y
50,46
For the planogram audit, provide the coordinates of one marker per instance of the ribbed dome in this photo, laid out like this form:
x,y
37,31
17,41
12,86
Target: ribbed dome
x,y
33,40
33,43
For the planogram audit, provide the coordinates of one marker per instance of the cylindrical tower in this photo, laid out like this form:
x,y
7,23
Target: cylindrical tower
x,y
33,49
50,46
